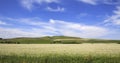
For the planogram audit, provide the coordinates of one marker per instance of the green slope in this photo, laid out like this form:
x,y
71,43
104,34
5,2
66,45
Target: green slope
x,y
56,40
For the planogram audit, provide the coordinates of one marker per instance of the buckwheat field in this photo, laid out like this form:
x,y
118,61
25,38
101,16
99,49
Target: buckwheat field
x,y
60,53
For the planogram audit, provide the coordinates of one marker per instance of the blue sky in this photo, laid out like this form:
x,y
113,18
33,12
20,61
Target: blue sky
x,y
78,18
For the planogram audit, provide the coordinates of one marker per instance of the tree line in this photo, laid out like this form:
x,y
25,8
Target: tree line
x,y
5,41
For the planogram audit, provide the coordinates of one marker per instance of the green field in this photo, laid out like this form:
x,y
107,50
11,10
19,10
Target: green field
x,y
60,53
57,40
59,49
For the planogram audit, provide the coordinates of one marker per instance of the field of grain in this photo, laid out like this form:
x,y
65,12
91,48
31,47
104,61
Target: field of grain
x,y
59,53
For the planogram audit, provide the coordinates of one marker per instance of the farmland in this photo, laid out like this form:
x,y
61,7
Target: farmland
x,y
60,53
59,49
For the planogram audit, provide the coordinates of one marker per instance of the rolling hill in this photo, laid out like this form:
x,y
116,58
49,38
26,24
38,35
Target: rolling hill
x,y
55,40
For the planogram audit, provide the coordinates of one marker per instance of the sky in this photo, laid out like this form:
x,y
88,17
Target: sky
x,y
77,18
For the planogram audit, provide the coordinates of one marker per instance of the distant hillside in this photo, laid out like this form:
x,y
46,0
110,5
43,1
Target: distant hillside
x,y
65,37
55,40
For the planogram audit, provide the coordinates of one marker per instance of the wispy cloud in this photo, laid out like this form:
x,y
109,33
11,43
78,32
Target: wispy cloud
x,y
29,4
82,15
111,2
52,27
92,2
58,9
14,32
96,2
114,19
3,23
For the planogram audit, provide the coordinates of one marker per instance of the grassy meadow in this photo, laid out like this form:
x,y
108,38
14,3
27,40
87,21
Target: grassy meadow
x,y
60,53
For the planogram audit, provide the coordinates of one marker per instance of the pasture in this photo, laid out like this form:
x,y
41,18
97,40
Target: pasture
x,y
60,53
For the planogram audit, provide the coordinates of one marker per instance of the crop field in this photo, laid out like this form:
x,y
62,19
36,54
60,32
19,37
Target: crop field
x,y
60,53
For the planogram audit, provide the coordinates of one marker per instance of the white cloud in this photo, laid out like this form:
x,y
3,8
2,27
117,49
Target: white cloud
x,y
111,2
39,28
58,9
79,30
13,32
29,4
114,19
52,21
82,15
3,23
31,21
95,2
